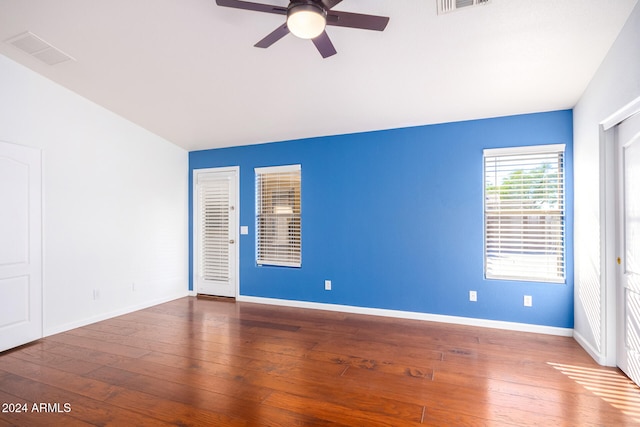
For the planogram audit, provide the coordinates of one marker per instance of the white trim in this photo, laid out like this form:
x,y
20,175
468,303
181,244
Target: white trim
x,y
278,169
594,353
84,322
608,199
467,321
622,114
42,237
526,149
562,281
194,184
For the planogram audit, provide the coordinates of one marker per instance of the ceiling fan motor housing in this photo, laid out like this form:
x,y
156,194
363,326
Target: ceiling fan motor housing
x,y
309,5
306,18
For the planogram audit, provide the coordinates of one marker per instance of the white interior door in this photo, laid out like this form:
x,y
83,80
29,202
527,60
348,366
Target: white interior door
x,y
20,245
216,231
628,340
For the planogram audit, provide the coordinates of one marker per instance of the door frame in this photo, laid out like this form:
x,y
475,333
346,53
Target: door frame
x,y
236,203
609,234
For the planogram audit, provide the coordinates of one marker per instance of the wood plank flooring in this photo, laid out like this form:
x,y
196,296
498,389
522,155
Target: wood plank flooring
x,y
203,362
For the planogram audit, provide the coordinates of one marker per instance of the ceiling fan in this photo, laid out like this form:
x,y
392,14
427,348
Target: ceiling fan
x,y
307,19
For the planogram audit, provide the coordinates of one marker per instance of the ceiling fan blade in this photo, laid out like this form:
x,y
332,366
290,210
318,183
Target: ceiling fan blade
x,y
273,37
328,4
357,20
258,7
324,45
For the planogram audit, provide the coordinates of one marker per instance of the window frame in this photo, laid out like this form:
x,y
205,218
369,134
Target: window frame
x,y
524,152
272,228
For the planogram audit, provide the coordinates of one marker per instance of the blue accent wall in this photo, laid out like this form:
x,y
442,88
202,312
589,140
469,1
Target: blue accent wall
x,y
394,219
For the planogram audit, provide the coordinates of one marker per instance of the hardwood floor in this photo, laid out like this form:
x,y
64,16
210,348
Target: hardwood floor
x,y
201,362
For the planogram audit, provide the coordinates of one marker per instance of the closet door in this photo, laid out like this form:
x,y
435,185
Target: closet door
x,y
628,147
20,245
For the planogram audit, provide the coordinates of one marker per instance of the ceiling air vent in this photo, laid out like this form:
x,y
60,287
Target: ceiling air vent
x,y
446,6
38,48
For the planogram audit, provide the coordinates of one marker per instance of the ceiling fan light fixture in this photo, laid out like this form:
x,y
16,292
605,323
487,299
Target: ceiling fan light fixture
x,y
306,19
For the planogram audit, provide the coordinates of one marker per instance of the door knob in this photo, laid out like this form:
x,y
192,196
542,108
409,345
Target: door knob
x,y
232,241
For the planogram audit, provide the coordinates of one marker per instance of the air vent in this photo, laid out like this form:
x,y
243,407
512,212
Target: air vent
x,y
446,6
38,48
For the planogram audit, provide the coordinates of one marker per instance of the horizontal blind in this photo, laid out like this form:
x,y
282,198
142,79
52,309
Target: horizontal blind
x,y
214,232
278,216
524,214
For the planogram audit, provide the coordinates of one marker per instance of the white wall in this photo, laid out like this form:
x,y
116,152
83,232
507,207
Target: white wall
x,y
616,84
115,202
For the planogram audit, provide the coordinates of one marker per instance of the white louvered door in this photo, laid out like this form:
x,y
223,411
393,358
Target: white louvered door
x,y
628,147
215,232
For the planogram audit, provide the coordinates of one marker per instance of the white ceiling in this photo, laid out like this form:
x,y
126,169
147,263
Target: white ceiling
x,y
187,69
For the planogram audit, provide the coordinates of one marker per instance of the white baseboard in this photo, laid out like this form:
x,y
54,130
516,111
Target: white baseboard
x,y
84,322
496,324
467,321
590,349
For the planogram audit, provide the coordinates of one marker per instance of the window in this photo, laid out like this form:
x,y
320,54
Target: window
x,y
278,216
524,213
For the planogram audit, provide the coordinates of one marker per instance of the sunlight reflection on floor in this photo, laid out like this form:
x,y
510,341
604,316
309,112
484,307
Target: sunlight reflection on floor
x,y
611,386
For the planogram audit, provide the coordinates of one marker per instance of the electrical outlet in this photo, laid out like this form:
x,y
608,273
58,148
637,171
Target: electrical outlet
x,y
133,286
327,285
473,296
96,294
528,301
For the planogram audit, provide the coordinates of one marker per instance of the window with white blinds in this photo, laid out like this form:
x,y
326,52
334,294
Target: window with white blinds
x,y
524,213
278,216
